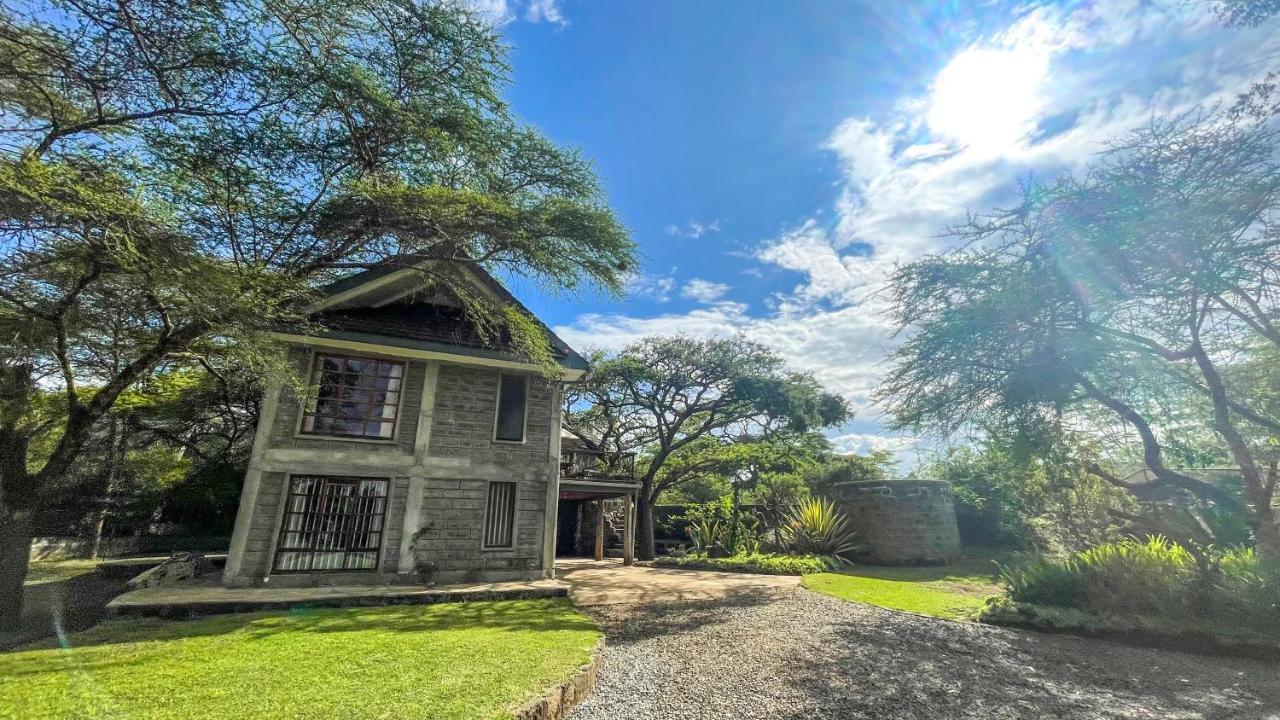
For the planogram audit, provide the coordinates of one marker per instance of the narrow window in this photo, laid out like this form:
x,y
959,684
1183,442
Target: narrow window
x,y
331,523
500,515
512,398
353,397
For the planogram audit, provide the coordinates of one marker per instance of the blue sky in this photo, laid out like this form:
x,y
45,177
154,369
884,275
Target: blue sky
x,y
774,160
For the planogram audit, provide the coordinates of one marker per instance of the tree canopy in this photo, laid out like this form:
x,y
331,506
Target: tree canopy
x,y
1142,293
689,406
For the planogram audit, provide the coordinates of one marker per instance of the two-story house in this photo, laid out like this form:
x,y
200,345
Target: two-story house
x,y
418,452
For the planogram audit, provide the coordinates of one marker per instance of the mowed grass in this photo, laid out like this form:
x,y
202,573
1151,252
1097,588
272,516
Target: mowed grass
x,y
466,660
956,591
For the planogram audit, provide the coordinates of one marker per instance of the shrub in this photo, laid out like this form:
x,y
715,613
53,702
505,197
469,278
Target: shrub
x,y
764,564
1152,584
816,527
712,525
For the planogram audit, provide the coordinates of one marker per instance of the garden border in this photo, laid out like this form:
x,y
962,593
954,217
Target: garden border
x,y
1024,616
557,701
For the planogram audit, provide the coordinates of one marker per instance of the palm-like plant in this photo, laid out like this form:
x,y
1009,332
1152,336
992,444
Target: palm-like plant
x,y
816,527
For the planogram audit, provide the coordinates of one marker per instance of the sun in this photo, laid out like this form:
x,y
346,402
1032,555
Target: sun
x,y
986,99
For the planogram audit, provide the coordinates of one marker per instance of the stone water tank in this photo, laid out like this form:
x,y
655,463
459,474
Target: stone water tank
x,y
901,522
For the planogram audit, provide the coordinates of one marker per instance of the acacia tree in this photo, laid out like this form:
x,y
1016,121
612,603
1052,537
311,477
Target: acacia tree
x,y
176,178
678,401
1144,292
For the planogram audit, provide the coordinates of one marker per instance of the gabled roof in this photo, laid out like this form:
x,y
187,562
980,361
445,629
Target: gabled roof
x,y
393,304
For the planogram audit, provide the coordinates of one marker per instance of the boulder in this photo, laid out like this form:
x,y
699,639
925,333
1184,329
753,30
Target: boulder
x,y
178,567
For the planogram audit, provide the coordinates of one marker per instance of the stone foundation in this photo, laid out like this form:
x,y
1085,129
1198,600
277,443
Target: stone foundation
x,y
901,523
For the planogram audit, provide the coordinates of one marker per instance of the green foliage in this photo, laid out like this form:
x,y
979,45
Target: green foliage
x,y
848,468
1130,582
712,528
694,408
763,564
1018,498
816,527
1120,301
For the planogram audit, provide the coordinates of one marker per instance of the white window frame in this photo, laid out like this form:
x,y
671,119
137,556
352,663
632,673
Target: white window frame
x,y
497,407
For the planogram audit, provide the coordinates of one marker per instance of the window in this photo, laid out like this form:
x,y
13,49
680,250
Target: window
x,y
332,523
512,400
500,515
353,397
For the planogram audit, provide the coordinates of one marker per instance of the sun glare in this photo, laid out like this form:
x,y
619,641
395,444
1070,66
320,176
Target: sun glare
x,y
985,99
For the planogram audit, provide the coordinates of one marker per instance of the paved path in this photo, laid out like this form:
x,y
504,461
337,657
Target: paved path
x,y
609,582
789,653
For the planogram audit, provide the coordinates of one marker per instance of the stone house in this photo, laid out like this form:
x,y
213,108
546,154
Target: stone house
x,y
421,451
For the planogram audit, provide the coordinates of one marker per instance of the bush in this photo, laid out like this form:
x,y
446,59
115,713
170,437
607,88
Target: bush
x,y
763,564
712,526
816,527
1154,585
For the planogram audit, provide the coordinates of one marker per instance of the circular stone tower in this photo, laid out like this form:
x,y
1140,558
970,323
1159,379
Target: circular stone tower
x,y
901,522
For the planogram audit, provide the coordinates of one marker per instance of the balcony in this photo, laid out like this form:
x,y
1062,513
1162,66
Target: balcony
x,y
593,473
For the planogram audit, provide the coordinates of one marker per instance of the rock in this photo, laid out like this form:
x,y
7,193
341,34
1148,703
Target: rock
x,y
179,567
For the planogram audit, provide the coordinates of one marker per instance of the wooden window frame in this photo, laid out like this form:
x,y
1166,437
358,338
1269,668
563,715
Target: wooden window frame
x,y
313,395
497,409
515,514
283,530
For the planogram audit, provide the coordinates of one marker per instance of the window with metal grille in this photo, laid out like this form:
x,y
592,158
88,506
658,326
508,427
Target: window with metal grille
x,y
500,515
508,422
332,523
353,397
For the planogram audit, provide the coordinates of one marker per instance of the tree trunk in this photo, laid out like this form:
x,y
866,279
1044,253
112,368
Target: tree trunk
x,y
645,548
15,552
1266,536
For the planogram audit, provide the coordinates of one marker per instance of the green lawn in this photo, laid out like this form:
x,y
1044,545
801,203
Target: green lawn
x,y
956,591
465,660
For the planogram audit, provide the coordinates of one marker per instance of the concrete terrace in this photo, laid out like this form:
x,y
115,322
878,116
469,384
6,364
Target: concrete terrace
x,y
210,599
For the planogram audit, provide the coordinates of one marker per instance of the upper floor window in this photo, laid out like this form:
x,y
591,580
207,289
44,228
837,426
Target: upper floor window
x,y
353,397
513,391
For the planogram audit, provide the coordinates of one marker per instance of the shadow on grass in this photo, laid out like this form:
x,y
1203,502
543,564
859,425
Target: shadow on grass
x,y
513,615
977,568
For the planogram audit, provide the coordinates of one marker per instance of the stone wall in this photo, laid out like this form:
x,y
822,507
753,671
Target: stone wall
x,y
462,424
902,522
447,547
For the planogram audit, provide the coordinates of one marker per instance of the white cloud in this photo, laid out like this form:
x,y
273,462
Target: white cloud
x,y
653,287
865,443
1100,70
545,11
704,291
502,12
694,229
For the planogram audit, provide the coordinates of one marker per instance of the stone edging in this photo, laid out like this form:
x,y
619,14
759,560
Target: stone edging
x,y
557,701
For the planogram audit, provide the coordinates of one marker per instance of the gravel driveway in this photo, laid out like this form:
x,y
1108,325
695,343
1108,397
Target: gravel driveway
x,y
805,655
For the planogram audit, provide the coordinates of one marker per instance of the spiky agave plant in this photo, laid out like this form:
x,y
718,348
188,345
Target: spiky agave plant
x,y
815,527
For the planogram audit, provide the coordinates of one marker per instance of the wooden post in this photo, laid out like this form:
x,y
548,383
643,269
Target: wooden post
x,y
600,529
629,531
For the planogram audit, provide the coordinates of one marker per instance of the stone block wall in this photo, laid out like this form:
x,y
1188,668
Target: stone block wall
x,y
462,424
448,545
900,523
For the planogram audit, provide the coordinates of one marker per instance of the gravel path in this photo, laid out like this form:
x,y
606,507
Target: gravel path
x,y
805,655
